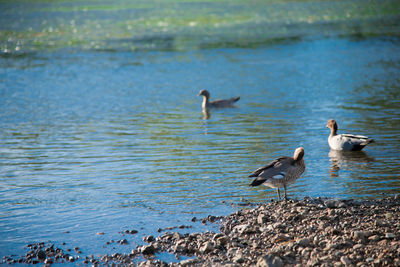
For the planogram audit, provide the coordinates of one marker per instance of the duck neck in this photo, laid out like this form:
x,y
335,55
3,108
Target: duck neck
x,y
333,131
205,101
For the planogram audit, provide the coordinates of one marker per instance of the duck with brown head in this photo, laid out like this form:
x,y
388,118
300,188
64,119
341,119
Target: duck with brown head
x,y
280,172
347,142
219,103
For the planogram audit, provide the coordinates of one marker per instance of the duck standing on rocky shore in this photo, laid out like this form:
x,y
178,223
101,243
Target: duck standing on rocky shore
x,y
347,142
220,103
280,172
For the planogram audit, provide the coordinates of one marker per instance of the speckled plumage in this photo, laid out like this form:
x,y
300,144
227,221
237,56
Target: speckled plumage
x,y
280,172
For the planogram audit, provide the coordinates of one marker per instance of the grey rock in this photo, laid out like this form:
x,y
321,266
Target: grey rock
x,y
207,247
222,241
390,235
304,242
346,261
374,238
269,261
148,238
332,204
41,255
176,235
147,250
359,235
238,258
189,262
262,218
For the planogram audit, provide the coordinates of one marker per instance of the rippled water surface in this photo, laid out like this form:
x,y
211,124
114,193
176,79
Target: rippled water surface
x,y
108,140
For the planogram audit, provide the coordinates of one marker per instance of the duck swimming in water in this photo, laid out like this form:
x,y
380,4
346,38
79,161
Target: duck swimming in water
x,y
346,142
220,103
280,172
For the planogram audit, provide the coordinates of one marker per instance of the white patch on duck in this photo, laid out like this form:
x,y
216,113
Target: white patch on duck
x,y
279,176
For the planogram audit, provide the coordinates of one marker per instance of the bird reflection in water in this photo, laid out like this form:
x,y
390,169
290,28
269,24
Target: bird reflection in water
x,y
206,113
347,160
206,116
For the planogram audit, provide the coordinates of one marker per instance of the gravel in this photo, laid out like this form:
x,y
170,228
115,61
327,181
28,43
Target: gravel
x,y
308,232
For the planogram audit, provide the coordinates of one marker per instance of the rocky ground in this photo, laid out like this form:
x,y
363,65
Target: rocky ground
x,y
309,232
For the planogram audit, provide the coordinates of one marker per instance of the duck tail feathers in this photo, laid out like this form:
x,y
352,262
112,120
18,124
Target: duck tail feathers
x,y
366,142
257,182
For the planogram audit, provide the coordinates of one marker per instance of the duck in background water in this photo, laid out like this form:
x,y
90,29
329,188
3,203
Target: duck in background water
x,y
345,142
220,103
280,172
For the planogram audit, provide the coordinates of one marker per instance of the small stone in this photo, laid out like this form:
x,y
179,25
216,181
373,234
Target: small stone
x,y
358,235
188,262
147,250
370,259
211,218
332,204
262,218
389,215
123,242
269,261
41,255
390,235
358,246
346,261
374,238
148,239
238,258
207,247
176,236
304,242
222,241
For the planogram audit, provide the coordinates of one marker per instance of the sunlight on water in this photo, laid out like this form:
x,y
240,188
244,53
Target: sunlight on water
x,y
185,25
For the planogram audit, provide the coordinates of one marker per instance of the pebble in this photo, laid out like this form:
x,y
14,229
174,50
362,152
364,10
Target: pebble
x,y
390,235
148,239
146,250
346,261
207,247
304,242
269,261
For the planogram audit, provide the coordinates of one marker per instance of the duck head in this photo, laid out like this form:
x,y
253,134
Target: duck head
x,y
204,93
332,125
298,153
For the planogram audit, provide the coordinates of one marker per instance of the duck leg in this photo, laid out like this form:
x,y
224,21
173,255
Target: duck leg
x,y
279,194
284,186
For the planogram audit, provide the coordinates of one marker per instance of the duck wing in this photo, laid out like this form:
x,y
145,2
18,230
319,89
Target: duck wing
x,y
273,169
224,102
350,142
360,140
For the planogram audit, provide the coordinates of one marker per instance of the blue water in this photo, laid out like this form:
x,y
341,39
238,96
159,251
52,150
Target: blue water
x,y
114,140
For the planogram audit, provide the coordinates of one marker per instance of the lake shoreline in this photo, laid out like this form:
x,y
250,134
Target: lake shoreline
x,y
307,232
